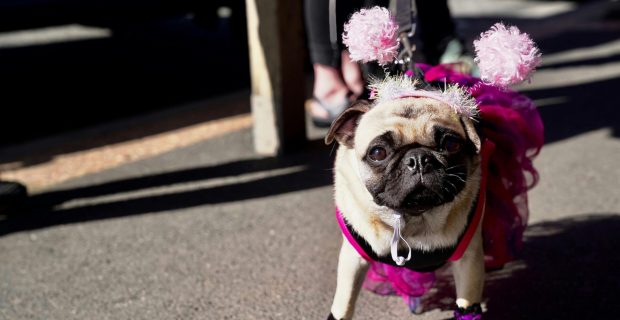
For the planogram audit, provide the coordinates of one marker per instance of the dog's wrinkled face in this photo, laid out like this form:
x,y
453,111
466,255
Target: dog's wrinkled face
x,y
413,153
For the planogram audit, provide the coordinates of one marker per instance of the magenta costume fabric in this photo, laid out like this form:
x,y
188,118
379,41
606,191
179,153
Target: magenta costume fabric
x,y
513,123
513,133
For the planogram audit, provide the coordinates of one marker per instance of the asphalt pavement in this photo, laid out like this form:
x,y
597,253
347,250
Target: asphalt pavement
x,y
214,231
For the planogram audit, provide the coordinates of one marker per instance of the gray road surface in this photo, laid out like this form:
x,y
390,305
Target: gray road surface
x,y
213,231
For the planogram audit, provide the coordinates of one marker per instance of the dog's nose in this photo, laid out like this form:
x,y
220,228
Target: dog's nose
x,y
419,162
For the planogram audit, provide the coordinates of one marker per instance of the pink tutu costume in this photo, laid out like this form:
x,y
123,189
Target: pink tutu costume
x,y
509,125
512,131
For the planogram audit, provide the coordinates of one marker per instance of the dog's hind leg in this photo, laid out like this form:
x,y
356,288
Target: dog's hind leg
x,y
351,270
469,273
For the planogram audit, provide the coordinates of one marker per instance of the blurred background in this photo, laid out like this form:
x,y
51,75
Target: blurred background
x,y
69,64
129,123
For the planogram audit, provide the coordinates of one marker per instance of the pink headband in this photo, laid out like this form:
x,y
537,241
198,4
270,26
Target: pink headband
x,y
392,88
504,55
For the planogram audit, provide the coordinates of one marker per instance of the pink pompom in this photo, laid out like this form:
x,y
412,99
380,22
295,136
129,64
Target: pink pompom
x,y
371,34
506,56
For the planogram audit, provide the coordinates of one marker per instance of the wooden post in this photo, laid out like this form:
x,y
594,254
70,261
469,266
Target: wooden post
x,y
275,35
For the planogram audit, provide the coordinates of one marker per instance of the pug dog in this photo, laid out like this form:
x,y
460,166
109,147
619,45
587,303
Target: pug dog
x,y
415,159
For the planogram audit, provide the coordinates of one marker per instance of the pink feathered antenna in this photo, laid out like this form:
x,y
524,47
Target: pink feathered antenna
x,y
371,35
506,56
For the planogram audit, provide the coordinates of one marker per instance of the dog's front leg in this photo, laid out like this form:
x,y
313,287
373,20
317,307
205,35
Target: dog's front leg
x,y
469,274
351,270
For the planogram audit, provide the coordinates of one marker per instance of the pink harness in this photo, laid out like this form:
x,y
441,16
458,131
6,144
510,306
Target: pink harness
x,y
487,149
412,280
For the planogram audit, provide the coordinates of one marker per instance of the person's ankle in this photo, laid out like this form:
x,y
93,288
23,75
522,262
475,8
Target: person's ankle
x,y
329,86
352,74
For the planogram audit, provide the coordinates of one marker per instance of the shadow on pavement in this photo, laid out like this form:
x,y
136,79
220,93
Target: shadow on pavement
x,y
582,108
310,168
568,270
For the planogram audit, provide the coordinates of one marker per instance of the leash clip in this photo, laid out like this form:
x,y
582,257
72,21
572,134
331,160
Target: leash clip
x,y
405,56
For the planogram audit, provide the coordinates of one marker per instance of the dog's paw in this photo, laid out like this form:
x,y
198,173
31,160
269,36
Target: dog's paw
x,y
331,317
473,312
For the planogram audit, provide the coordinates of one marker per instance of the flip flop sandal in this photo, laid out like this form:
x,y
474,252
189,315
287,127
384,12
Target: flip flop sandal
x,y
333,112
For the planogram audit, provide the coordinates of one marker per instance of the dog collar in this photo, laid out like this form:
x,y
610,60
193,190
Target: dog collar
x,y
420,260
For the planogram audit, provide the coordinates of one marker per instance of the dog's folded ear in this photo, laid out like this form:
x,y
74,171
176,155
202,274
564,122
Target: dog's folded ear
x,y
343,128
472,134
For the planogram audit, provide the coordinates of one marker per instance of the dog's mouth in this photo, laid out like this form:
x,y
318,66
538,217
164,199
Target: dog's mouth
x,y
413,211
413,198
419,201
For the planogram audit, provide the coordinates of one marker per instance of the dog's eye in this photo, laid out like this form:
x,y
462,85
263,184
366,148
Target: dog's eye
x,y
377,154
451,144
